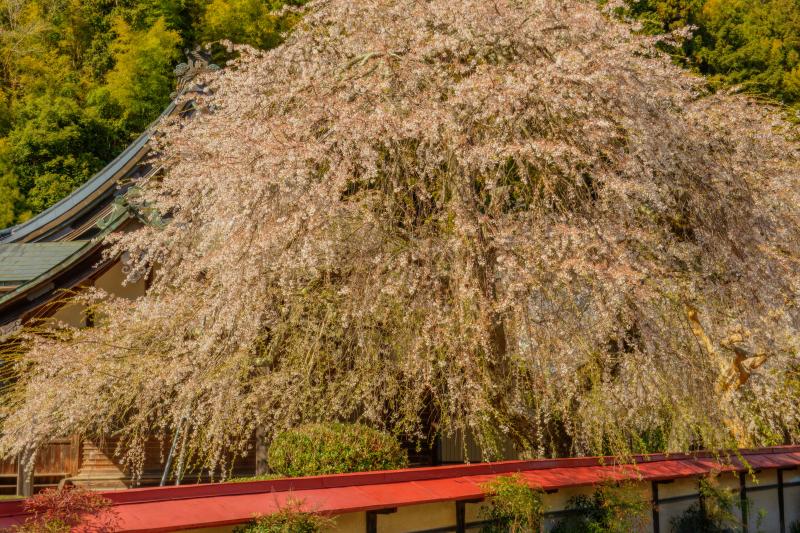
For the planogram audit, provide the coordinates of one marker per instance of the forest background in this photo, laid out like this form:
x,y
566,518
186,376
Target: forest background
x,y
80,79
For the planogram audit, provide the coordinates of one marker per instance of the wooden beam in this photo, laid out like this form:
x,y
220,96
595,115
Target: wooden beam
x,y
743,500
461,517
781,510
372,518
656,519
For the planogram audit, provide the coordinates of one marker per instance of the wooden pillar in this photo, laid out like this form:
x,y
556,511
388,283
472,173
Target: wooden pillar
x,y
656,519
25,472
781,509
743,500
372,518
372,522
461,517
436,451
262,466
75,456
701,499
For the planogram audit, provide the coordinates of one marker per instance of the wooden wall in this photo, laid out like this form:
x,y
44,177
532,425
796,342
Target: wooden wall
x,y
57,460
95,466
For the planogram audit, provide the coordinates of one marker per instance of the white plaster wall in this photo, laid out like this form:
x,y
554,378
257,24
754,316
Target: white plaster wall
x,y
350,523
668,511
791,497
418,517
763,500
346,523
472,512
559,500
112,282
69,315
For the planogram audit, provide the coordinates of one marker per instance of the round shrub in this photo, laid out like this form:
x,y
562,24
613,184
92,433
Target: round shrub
x,y
316,449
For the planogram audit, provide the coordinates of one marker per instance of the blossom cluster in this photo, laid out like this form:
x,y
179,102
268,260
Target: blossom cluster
x,y
513,219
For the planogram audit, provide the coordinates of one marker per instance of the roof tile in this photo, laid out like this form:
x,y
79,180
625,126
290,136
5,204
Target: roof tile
x,y
23,262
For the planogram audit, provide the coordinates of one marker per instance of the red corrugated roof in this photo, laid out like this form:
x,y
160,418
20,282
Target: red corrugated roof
x,y
194,506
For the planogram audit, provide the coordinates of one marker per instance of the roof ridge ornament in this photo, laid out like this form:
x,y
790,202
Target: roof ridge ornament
x,y
198,61
132,203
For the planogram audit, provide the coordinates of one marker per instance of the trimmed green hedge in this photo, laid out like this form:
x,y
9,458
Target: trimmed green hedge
x,y
317,449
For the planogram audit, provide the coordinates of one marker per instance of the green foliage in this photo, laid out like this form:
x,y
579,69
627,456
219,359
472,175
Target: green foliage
x,y
714,513
263,477
514,506
609,509
317,449
752,45
55,146
257,22
659,16
9,196
140,81
79,79
794,527
290,519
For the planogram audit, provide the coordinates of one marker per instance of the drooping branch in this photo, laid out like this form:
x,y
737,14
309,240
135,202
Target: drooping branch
x,y
494,212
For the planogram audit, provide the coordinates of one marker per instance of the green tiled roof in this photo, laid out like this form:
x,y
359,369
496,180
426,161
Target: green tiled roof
x,y
22,262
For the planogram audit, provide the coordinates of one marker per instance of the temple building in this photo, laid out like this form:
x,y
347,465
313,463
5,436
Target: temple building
x,y
60,252
50,257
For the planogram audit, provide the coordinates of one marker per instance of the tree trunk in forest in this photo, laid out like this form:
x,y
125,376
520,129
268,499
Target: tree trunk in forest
x,y
262,465
25,472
